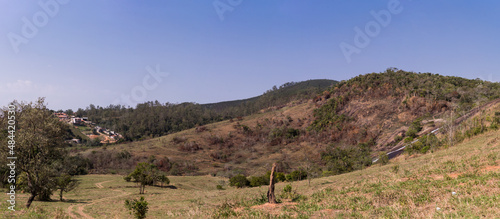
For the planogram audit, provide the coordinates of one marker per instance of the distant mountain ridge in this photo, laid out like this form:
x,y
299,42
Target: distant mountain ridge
x,y
277,95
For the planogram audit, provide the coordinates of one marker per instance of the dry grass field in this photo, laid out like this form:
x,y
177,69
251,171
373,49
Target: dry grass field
x,y
460,181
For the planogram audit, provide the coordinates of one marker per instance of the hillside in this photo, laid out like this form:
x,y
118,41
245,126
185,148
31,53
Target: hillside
x,y
155,119
356,118
379,107
449,166
460,181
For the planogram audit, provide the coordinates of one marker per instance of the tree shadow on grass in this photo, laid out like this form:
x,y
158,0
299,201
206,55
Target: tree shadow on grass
x,y
73,201
166,186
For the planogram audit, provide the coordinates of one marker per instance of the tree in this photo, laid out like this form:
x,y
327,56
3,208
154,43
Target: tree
x,y
39,138
145,174
270,193
65,183
383,159
163,180
138,207
239,181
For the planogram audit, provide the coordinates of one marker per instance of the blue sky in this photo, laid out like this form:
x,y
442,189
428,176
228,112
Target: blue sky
x,y
98,52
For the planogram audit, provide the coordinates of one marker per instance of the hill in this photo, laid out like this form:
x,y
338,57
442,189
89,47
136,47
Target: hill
x,y
154,119
336,132
275,97
381,107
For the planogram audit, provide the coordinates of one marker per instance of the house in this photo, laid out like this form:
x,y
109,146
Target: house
x,y
76,121
62,116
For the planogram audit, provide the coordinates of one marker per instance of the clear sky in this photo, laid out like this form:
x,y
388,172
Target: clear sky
x,y
77,53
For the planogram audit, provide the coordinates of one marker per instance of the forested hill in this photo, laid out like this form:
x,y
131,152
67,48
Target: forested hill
x,y
153,119
274,97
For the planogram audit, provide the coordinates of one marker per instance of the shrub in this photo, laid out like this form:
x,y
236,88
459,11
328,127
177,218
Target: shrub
x,y
280,177
287,188
342,160
395,169
415,128
383,159
288,193
138,207
219,187
127,178
213,140
425,143
292,133
190,147
256,181
296,175
239,181
162,179
408,140
247,130
398,138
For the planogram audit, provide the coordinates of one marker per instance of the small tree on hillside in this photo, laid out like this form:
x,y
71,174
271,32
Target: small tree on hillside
x,y
65,183
383,158
144,174
138,207
163,180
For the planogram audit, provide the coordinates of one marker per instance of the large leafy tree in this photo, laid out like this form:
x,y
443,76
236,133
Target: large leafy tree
x,y
39,139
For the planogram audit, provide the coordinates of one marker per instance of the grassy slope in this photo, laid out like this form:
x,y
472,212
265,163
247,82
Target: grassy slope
x,y
420,186
253,161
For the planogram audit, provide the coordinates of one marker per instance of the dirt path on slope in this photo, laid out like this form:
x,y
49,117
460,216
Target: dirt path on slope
x,y
81,207
70,212
99,185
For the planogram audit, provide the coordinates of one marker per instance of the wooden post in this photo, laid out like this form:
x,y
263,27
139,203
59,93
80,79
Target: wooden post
x,y
270,194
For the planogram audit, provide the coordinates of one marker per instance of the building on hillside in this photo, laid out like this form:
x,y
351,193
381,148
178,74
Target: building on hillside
x,y
76,121
62,117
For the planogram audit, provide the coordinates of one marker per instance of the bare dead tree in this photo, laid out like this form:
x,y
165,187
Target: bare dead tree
x,y
270,194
